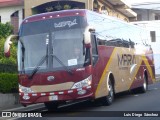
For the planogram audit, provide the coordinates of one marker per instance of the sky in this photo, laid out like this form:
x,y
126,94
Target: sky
x,y
141,1
144,4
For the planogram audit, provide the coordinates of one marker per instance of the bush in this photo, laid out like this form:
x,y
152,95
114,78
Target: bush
x,y
8,68
5,30
8,83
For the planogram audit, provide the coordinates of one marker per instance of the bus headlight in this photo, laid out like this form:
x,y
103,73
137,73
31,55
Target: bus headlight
x,y
25,89
84,83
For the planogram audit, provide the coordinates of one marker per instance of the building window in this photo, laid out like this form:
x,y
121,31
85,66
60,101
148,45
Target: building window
x,y
57,6
96,6
15,22
104,10
23,13
157,17
139,17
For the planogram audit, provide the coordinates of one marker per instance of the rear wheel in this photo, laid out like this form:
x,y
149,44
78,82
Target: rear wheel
x,y
144,87
51,106
108,100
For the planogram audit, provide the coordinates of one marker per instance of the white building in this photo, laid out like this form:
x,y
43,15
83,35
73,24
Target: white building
x,y
12,11
148,16
147,11
153,26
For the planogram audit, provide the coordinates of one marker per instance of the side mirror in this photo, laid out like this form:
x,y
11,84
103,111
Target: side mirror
x,y
87,34
7,44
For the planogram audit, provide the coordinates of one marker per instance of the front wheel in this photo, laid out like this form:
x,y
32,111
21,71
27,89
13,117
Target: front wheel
x,y
108,100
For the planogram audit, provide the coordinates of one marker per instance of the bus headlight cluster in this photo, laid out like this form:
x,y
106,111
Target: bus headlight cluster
x,y
25,89
84,83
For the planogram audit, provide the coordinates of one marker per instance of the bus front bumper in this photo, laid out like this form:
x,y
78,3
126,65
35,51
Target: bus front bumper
x,y
57,96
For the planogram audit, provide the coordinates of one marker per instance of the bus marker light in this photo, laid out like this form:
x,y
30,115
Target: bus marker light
x,y
88,87
34,94
71,91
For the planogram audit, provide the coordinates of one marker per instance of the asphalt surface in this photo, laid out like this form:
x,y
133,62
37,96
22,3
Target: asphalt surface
x,y
134,105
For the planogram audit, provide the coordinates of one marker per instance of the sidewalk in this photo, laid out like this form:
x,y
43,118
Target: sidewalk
x,y
9,100
21,108
10,107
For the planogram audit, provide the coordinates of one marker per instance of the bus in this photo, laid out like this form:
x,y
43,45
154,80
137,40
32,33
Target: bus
x,y
114,56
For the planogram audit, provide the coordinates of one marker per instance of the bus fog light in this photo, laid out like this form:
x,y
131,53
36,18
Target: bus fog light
x,y
82,92
26,97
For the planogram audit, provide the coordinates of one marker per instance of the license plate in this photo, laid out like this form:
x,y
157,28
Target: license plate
x,y
55,97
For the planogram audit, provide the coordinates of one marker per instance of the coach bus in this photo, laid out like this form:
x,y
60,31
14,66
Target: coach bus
x,y
113,56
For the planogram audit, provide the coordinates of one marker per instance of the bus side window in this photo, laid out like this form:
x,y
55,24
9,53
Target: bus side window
x,y
125,43
94,49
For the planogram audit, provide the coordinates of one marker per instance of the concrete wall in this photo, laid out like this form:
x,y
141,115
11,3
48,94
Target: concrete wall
x,y
6,12
8,100
145,14
154,26
29,4
113,12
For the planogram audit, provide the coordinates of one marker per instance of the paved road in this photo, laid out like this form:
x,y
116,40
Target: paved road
x,y
125,103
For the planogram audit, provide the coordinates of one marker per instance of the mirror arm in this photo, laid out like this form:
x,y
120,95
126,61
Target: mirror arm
x,y
87,34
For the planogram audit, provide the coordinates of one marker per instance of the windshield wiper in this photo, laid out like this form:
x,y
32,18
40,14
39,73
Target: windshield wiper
x,y
23,54
65,67
38,66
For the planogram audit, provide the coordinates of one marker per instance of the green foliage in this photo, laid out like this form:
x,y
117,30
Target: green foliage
x,y
5,30
7,68
8,83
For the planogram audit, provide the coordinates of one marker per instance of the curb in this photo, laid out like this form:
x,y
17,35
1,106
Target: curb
x,y
28,108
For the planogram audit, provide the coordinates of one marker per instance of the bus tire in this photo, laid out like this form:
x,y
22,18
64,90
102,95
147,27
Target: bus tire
x,y
51,106
144,87
108,100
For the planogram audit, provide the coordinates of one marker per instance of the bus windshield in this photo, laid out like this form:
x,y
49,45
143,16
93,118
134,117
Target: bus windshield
x,y
68,47
60,37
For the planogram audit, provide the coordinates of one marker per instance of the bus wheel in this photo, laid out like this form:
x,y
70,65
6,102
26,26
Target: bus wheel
x,y
51,106
108,100
144,87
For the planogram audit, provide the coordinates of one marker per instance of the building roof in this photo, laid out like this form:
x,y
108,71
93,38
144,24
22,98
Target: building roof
x,y
123,7
6,3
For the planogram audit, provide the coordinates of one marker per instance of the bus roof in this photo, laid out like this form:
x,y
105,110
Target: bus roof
x,y
57,14
71,12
